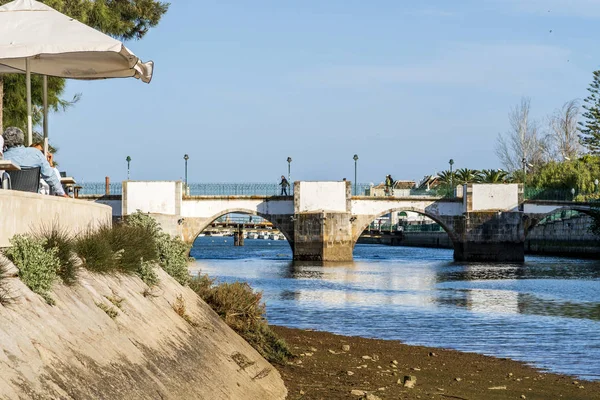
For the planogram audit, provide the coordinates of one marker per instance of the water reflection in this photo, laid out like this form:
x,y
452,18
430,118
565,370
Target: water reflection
x,y
545,311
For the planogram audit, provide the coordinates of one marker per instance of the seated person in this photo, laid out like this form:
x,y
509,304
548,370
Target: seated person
x,y
29,157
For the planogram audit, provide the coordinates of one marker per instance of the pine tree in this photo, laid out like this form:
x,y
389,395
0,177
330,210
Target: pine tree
x,y
122,19
590,129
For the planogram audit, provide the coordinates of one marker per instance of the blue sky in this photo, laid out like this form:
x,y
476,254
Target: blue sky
x,y
240,86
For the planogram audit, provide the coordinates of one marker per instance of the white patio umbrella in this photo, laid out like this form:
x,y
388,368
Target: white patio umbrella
x,y
35,38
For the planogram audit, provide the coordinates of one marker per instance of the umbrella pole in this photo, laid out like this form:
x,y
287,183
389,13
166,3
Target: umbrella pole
x,y
45,89
28,86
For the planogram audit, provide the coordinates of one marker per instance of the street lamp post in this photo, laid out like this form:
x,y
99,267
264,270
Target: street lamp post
x,y
596,183
355,158
186,158
128,159
451,162
573,194
289,160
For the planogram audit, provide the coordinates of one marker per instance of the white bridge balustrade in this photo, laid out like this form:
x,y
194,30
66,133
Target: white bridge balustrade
x,y
323,221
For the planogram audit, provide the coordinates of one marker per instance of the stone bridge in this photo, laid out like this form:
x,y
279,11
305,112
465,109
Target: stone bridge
x,y
323,221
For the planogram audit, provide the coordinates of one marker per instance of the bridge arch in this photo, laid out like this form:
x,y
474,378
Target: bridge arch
x,y
445,222
534,219
200,224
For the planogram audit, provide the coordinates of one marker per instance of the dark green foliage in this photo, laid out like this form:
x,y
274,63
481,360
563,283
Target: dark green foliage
x,y
242,309
577,174
466,175
172,252
37,266
95,252
133,245
62,241
121,248
590,129
15,99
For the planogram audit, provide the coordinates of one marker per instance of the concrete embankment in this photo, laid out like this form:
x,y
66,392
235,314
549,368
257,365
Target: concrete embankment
x,y
146,350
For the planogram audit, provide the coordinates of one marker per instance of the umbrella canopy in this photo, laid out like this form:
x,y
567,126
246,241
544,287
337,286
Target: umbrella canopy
x,y
57,45
35,38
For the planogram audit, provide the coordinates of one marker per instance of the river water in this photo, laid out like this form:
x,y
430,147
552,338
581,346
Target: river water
x,y
545,312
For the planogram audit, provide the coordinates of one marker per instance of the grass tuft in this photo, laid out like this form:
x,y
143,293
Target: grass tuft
x,y
110,311
243,310
5,296
180,308
59,238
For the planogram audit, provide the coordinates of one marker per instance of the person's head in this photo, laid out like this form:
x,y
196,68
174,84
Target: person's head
x,y
282,177
13,137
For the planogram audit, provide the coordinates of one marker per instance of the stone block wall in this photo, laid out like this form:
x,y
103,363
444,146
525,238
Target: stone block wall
x,y
569,237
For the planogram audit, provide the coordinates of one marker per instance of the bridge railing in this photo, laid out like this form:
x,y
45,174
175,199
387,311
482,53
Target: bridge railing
x,y
560,195
368,189
99,188
237,189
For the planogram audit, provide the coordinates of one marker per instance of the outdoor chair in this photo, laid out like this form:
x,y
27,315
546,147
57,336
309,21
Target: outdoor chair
x,y
25,180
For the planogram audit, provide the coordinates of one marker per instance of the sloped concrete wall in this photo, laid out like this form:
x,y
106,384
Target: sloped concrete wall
x,y
74,350
23,212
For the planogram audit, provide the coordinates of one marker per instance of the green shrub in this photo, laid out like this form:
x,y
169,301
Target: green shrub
x,y
243,310
173,257
37,266
134,244
144,221
95,251
172,252
60,239
147,272
202,285
120,248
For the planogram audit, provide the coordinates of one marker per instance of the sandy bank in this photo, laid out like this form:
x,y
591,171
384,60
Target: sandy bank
x,y
75,350
324,370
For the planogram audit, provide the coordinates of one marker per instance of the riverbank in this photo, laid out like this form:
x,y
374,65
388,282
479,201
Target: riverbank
x,y
324,370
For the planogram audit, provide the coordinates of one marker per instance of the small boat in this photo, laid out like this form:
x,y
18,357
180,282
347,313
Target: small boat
x,y
252,235
281,236
263,236
273,236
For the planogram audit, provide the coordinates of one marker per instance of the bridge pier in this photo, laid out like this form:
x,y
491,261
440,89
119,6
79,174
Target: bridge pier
x,y
323,236
490,236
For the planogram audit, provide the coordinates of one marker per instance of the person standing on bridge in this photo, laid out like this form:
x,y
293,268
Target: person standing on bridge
x,y
389,183
284,185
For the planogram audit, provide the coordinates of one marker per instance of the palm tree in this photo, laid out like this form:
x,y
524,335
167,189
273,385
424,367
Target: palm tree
x,y
445,177
493,176
466,175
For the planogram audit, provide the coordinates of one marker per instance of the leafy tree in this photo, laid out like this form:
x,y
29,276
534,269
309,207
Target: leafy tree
x,y
122,19
577,174
590,129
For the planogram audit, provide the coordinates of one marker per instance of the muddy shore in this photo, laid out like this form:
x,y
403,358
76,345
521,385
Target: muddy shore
x,y
326,369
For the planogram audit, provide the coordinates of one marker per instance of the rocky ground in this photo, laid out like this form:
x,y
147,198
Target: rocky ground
x,y
339,367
